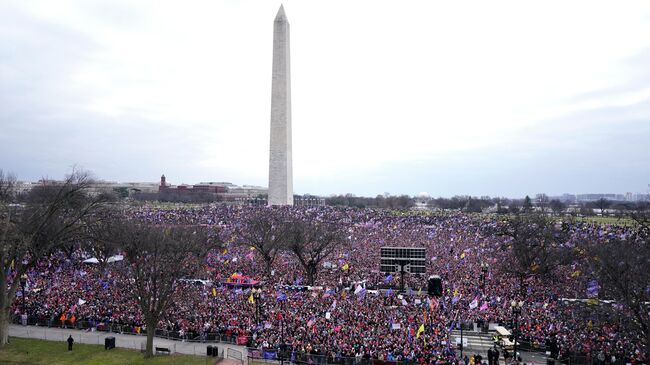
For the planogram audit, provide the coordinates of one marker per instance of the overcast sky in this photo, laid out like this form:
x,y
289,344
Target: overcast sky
x,y
445,97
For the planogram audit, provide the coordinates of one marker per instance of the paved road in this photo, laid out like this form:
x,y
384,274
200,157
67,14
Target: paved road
x,y
136,342
478,343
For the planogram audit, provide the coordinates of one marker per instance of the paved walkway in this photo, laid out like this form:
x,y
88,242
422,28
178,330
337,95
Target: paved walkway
x,y
479,343
136,342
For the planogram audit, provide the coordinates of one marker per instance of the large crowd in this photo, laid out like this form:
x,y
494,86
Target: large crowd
x,y
343,316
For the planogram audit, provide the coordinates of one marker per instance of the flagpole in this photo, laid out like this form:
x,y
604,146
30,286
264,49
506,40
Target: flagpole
x,y
282,345
461,333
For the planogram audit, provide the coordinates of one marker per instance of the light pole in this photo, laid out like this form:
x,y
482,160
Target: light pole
x,y
23,282
461,340
280,317
484,271
516,311
257,295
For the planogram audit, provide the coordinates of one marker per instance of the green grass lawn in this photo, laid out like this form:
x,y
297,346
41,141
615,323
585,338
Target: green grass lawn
x,y
609,220
37,352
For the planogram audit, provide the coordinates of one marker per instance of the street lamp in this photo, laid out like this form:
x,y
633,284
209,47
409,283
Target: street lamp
x,y
257,295
461,339
516,311
280,317
484,271
23,282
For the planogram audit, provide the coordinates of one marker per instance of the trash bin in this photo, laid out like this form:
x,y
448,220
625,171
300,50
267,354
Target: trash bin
x,y
550,362
109,343
209,350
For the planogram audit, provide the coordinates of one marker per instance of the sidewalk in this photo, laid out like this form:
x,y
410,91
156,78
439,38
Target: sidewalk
x,y
135,342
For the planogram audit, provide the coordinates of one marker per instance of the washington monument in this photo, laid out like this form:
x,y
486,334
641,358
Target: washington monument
x,y
280,160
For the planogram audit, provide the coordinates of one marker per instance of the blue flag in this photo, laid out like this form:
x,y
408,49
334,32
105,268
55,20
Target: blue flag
x,y
593,288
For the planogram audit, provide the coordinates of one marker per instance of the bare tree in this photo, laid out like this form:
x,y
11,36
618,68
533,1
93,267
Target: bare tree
x,y
51,215
100,234
619,264
536,246
312,240
265,231
602,204
542,202
557,206
156,259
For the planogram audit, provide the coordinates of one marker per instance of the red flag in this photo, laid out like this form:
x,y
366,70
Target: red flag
x,y
433,304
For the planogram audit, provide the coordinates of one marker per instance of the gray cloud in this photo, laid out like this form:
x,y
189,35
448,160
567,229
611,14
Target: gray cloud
x,y
601,150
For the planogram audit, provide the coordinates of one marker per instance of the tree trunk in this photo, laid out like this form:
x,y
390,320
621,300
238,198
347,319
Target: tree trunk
x,y
268,266
5,307
4,327
151,331
311,273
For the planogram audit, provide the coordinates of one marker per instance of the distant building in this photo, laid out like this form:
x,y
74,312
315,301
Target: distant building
x,y
220,191
215,188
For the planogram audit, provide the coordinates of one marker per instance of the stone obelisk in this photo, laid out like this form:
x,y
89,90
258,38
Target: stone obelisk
x,y
280,160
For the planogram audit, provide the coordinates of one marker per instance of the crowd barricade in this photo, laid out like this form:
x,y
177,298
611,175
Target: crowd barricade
x,y
273,355
127,329
531,345
581,359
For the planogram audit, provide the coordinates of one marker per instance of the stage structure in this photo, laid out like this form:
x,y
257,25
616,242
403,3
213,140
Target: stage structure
x,y
403,260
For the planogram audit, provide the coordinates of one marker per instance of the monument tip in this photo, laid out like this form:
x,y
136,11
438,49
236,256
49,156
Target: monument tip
x,y
281,17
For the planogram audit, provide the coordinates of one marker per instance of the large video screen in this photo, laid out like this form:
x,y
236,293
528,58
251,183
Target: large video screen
x,y
413,257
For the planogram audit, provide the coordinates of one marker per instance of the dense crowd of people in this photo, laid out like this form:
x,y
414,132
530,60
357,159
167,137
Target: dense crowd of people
x,y
343,314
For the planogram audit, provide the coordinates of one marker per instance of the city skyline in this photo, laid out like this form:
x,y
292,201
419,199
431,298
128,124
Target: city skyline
x,y
499,99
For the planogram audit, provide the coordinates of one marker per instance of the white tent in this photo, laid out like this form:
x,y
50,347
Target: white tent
x,y
115,258
93,260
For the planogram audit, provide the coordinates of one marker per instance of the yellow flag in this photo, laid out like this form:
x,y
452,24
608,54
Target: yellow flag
x,y
345,267
420,331
575,274
462,255
251,300
214,292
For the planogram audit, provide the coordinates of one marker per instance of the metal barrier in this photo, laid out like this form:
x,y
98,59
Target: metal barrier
x,y
273,355
235,355
126,329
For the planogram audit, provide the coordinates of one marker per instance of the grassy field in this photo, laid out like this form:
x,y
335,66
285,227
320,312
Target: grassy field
x,y
36,352
624,221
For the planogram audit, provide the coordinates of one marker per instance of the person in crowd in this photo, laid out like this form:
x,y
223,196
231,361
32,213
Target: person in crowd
x,y
339,319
